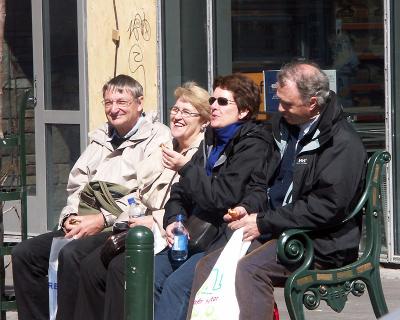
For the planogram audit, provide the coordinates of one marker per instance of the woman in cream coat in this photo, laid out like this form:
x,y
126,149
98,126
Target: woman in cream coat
x,y
188,119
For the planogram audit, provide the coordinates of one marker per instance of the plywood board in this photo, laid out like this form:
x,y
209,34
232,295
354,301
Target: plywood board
x,y
134,23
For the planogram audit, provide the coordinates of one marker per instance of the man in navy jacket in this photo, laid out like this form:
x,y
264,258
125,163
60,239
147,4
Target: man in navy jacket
x,y
314,181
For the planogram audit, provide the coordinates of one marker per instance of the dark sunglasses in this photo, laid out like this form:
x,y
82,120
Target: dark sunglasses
x,y
221,101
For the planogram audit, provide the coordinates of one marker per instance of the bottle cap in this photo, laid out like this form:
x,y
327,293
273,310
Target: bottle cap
x,y
131,201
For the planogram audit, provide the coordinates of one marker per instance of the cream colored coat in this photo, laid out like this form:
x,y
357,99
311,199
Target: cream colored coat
x,y
154,186
102,163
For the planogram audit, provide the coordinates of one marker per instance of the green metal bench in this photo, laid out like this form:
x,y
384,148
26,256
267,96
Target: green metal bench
x,y
16,192
309,287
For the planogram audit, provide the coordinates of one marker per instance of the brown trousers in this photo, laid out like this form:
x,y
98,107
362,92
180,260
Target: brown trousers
x,y
257,274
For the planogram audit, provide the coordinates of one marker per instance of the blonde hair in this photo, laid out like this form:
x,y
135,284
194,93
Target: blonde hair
x,y
198,97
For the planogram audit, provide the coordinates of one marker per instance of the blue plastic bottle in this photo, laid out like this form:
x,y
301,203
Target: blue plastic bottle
x,y
179,250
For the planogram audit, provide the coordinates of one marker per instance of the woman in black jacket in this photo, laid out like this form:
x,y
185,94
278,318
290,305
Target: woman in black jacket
x,y
211,183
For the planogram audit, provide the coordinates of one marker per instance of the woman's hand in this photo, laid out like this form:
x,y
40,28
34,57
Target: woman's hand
x,y
170,235
146,221
173,160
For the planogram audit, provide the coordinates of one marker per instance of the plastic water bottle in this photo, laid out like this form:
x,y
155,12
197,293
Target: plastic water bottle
x,y
135,210
179,251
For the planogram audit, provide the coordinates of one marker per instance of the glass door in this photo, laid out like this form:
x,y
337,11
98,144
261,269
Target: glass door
x,y
345,36
60,93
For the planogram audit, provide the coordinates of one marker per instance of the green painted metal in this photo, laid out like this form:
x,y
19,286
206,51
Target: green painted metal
x,y
22,165
139,274
309,287
7,248
18,192
17,140
11,141
10,196
8,305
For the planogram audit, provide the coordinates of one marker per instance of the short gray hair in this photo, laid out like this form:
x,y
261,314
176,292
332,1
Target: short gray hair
x,y
122,83
311,82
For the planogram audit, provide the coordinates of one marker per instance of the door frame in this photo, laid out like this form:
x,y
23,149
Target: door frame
x,y
37,205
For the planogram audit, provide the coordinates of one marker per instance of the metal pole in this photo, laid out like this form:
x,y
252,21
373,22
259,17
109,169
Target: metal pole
x,y
139,274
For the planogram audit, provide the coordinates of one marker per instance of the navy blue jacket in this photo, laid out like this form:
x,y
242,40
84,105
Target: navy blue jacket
x,y
328,179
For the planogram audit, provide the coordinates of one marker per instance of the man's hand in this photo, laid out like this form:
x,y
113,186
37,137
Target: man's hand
x,y
69,223
240,213
249,224
146,221
82,226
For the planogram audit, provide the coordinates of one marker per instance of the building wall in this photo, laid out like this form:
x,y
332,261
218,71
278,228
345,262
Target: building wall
x,y
136,54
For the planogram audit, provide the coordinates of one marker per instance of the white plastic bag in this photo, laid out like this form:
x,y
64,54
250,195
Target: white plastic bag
x,y
56,245
216,298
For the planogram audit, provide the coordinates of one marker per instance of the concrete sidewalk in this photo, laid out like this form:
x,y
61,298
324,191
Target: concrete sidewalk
x,y
357,308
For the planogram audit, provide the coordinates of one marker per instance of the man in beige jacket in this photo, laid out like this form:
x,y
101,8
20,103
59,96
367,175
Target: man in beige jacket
x,y
114,152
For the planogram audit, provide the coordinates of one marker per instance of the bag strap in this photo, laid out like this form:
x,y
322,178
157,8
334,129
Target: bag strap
x,y
106,200
168,190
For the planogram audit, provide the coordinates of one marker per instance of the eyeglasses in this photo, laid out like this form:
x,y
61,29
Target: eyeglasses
x,y
120,103
184,112
221,101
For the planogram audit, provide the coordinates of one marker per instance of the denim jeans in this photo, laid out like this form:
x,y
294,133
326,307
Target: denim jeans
x,y
172,285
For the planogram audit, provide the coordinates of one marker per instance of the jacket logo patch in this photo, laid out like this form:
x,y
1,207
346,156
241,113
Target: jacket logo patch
x,y
302,161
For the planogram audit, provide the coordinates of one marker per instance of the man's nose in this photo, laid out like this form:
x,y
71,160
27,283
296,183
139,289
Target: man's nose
x,y
114,107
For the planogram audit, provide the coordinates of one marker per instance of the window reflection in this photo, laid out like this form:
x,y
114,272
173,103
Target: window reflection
x,y
346,36
17,76
62,151
61,55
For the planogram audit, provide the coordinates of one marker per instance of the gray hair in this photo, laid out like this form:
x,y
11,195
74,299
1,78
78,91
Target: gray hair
x,y
310,80
122,83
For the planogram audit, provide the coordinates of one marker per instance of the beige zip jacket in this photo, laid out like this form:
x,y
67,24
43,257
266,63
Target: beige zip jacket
x,y
154,186
100,162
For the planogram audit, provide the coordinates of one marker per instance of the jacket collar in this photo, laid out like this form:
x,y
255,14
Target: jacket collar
x,y
248,129
320,132
103,134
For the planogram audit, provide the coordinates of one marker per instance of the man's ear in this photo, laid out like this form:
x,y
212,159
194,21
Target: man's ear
x,y
243,113
314,107
140,102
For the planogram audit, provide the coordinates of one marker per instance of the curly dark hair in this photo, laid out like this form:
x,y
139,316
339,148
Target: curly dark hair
x,y
245,92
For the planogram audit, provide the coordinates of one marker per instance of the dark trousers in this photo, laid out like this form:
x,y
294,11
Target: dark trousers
x,y
172,286
101,290
30,261
257,274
